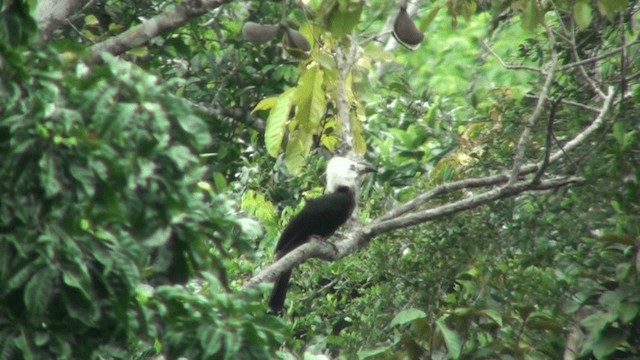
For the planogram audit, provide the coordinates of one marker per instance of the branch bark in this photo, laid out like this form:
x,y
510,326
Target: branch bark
x,y
168,20
50,14
356,239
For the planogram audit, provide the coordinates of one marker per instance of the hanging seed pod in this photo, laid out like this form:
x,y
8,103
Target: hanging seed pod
x,y
258,33
405,31
295,43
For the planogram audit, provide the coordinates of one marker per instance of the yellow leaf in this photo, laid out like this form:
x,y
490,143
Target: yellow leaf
x,y
276,122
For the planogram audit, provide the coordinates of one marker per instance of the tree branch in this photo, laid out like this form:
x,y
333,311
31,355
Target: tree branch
x,y
526,133
168,20
344,63
510,66
359,238
50,14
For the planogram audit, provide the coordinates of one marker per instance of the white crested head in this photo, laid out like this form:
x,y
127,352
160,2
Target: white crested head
x,y
341,172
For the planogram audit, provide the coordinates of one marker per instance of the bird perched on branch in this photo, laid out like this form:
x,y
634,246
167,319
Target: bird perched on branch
x,y
321,216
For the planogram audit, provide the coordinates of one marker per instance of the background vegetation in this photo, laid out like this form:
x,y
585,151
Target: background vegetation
x,y
144,184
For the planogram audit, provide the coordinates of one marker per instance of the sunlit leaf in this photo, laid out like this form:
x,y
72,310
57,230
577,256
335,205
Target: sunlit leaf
x,y
275,127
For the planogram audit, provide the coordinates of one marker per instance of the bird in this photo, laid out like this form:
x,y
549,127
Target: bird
x,y
321,217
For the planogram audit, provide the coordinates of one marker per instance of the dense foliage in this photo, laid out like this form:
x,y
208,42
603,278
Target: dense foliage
x,y
104,218
120,230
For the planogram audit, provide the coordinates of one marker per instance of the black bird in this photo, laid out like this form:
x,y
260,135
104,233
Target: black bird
x,y
321,216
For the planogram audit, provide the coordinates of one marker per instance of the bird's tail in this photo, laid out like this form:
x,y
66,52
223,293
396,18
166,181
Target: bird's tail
x,y
279,292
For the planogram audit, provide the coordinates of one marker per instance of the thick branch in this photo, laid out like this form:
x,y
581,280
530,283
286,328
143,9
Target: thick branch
x,y
357,239
422,216
50,14
313,248
345,59
168,20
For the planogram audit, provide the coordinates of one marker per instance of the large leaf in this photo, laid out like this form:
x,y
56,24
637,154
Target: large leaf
x,y
531,16
310,99
451,338
297,150
408,315
344,17
582,14
610,7
275,128
38,292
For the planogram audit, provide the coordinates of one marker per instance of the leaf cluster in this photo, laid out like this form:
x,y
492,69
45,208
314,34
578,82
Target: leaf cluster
x,y
107,220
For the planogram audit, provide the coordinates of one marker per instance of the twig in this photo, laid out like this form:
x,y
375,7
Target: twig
x,y
502,178
509,66
597,58
568,102
526,133
550,137
581,68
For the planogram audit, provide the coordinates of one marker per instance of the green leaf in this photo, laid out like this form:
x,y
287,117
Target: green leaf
x,y
609,8
582,14
608,342
21,276
429,18
49,175
310,99
275,128
38,291
408,315
159,237
266,104
367,353
493,314
344,17
542,321
181,156
531,16
297,150
451,338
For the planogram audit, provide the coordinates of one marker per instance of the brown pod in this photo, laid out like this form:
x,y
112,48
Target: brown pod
x,y
405,31
295,43
258,33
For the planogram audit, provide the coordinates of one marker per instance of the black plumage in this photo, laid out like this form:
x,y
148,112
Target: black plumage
x,y
321,216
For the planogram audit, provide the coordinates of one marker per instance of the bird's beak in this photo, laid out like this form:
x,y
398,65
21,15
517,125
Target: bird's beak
x,y
365,168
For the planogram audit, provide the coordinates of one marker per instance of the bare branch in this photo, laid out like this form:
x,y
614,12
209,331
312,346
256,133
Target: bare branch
x,y
595,125
567,102
509,66
599,57
168,20
465,204
592,84
550,137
